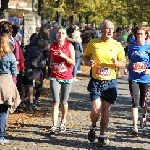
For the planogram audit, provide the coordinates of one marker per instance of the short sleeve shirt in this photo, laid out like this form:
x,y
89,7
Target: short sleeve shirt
x,y
103,52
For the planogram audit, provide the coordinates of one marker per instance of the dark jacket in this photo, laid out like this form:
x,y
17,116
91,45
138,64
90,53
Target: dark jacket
x,y
77,47
34,42
35,61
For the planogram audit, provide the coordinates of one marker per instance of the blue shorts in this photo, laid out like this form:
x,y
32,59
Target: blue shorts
x,y
107,90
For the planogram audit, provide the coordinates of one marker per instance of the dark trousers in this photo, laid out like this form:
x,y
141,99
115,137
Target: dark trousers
x,y
3,119
19,83
38,92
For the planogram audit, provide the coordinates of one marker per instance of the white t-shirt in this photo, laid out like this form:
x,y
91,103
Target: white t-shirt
x,y
18,37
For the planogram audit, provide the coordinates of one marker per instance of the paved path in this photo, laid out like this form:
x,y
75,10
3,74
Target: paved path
x,y
30,131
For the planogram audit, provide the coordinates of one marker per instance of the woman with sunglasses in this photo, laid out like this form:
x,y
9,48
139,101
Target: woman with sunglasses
x,y
62,61
139,76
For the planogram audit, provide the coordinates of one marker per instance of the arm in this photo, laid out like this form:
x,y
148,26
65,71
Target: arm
x,y
89,62
120,61
73,40
13,66
71,59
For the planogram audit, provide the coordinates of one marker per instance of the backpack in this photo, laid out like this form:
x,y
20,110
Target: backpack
x,y
87,36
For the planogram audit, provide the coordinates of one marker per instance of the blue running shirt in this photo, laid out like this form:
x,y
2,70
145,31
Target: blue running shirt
x,y
139,60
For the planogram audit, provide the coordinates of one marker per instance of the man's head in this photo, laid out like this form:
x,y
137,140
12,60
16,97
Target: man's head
x,y
42,44
55,25
107,29
118,31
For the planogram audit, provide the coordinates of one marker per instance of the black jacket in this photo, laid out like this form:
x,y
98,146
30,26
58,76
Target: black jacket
x,y
35,61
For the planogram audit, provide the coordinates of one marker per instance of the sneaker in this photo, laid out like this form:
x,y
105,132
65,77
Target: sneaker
x,y
62,127
143,124
91,134
52,131
143,121
33,107
79,71
74,79
38,101
4,141
135,131
101,142
22,105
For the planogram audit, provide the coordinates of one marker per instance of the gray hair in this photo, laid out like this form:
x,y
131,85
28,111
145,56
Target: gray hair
x,y
42,44
104,23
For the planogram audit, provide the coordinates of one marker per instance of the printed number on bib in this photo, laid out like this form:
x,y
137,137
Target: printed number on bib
x,y
139,66
59,67
103,72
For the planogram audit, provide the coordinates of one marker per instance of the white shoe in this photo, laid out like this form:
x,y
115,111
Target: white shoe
x,y
4,141
135,131
79,71
74,79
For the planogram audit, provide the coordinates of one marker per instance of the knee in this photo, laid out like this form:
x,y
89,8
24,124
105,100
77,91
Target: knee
x,y
95,111
64,102
135,106
56,104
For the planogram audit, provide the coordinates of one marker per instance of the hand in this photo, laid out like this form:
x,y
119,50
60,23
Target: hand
x,y
147,72
61,54
126,71
91,63
115,61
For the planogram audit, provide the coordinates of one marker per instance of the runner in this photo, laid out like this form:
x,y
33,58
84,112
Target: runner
x,y
103,55
139,76
62,61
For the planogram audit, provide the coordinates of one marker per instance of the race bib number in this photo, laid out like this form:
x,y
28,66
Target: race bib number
x,y
59,67
103,72
139,66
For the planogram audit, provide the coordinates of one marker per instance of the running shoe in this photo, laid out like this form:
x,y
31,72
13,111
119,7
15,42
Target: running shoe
x,y
62,127
53,131
143,121
91,134
135,131
101,142
33,107
4,141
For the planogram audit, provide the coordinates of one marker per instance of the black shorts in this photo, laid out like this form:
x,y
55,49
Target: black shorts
x,y
27,81
107,90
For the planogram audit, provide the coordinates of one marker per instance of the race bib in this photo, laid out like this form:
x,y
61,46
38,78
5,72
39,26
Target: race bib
x,y
139,66
59,67
103,72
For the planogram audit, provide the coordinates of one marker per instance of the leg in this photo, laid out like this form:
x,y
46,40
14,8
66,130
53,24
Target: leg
x,y
76,67
105,109
134,91
65,91
30,94
144,89
55,89
95,114
3,119
19,83
24,87
38,92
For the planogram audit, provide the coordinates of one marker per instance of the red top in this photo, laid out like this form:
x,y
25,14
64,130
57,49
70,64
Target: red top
x,y
19,56
60,70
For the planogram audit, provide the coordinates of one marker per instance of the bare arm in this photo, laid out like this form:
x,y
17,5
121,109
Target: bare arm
x,y
73,40
71,59
119,64
89,62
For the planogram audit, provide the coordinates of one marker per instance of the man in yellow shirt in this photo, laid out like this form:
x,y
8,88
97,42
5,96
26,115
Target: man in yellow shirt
x,y
103,55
